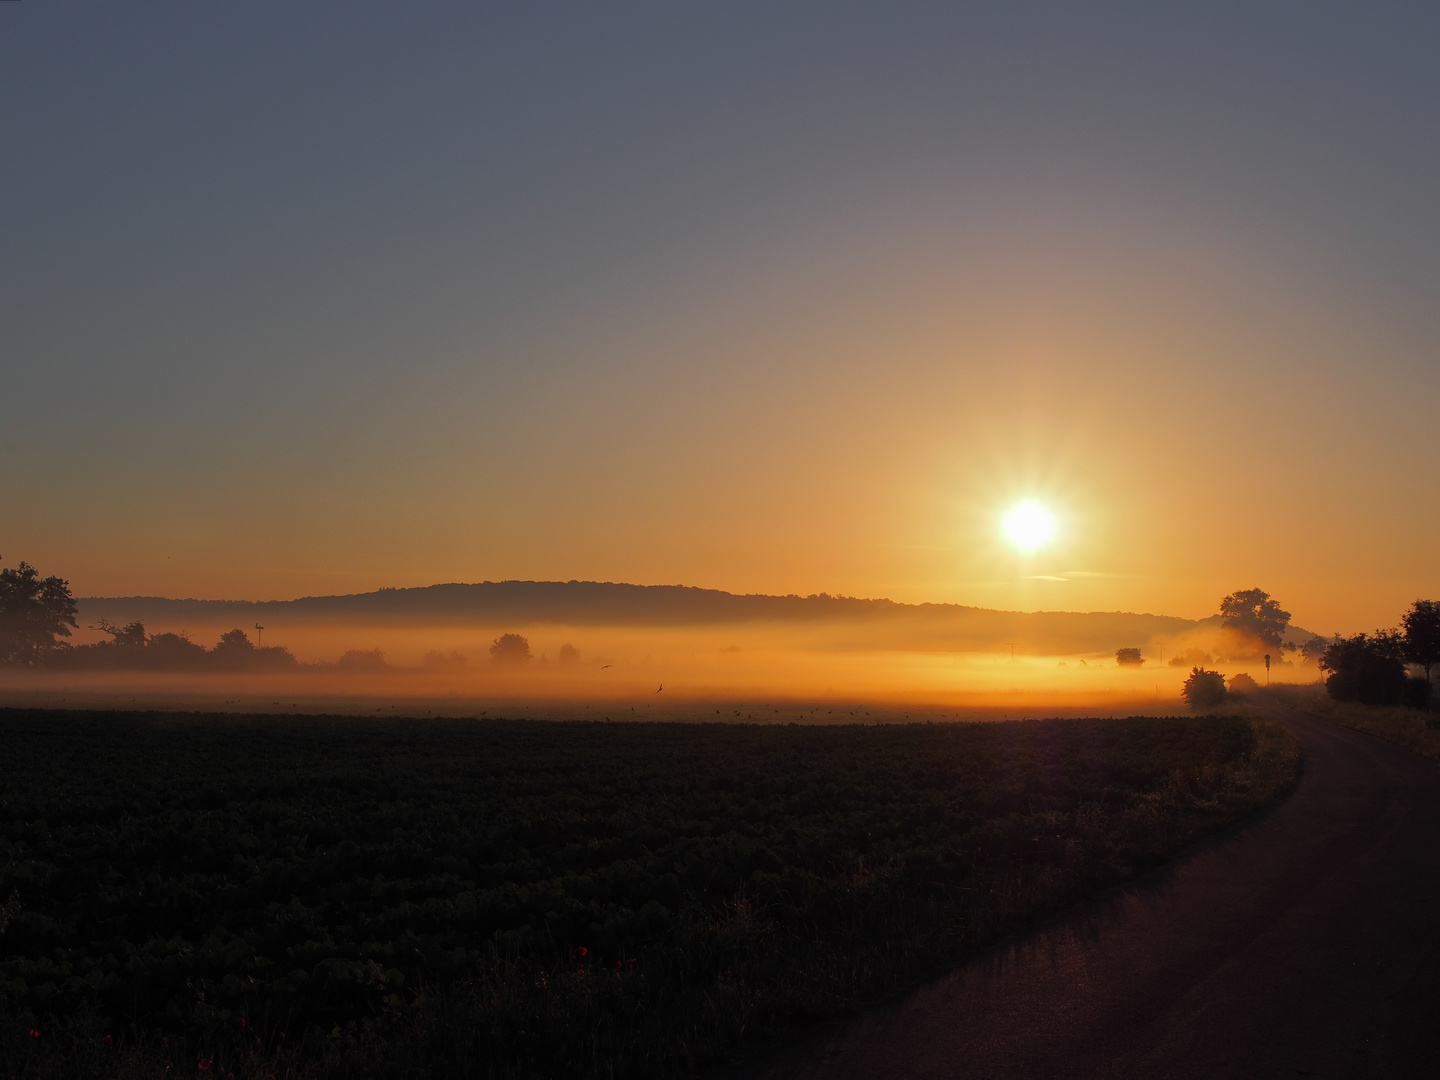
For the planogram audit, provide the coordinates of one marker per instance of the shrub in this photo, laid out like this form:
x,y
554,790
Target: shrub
x,y
1417,693
1203,689
1241,683
1366,668
1129,657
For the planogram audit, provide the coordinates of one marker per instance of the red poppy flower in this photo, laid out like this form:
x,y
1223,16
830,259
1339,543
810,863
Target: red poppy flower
x,y
106,1040
203,1064
242,1021
34,1034
582,951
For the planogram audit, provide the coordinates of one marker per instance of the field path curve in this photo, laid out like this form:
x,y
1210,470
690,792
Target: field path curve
x,y
1305,943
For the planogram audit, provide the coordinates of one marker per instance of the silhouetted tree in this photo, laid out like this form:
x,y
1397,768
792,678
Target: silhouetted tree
x,y
1252,612
129,636
509,649
234,641
34,611
1129,657
1368,668
569,654
1422,634
1203,689
234,650
1313,649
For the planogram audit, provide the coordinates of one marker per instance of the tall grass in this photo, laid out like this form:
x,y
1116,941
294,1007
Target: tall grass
x,y
1417,730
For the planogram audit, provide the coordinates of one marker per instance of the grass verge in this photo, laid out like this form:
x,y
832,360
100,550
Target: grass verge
x,y
1417,730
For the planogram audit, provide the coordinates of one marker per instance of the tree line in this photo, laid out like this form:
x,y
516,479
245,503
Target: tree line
x,y
37,614
1372,669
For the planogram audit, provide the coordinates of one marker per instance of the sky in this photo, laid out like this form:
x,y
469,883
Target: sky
x,y
310,299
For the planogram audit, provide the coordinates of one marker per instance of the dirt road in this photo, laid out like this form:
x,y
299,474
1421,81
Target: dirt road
x,y
1305,944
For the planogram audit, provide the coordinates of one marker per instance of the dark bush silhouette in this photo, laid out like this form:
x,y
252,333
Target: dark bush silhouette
x,y
1241,683
174,652
363,660
1421,625
1417,692
1366,668
438,661
236,652
1129,657
1253,613
131,648
1203,689
129,636
509,649
34,611
569,654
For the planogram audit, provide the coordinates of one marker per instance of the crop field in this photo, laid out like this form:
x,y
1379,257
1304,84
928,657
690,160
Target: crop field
x,y
271,896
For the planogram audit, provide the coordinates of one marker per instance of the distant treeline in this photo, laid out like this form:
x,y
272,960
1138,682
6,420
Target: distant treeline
x,y
130,647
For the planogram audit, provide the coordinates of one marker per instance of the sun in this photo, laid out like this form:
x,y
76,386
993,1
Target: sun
x,y
1028,526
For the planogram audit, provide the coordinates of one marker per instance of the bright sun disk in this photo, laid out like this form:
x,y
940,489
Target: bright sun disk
x,y
1028,526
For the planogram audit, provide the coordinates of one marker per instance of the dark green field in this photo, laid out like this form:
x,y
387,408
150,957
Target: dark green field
x,y
501,898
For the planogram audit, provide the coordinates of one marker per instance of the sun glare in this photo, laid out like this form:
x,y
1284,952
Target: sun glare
x,y
1028,526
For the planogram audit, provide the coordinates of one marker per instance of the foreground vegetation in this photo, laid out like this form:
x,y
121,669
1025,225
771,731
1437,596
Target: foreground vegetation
x,y
1417,731
318,896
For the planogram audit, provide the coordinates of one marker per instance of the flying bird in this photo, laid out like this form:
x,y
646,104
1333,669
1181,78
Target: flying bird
x,y
662,687
604,666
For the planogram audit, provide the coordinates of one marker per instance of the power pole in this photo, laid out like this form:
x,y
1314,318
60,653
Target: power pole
x,y
259,630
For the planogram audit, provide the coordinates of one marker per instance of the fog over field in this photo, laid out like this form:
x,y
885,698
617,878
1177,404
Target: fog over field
x,y
631,651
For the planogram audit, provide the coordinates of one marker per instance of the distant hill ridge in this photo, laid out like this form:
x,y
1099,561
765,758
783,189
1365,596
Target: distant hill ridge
x,y
595,603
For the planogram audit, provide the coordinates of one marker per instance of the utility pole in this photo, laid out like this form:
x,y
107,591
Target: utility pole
x,y
1012,650
259,630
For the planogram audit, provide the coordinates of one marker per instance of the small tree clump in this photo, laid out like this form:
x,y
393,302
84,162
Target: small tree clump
x,y
1421,625
362,660
435,660
1129,657
1368,668
1241,683
509,649
1203,689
